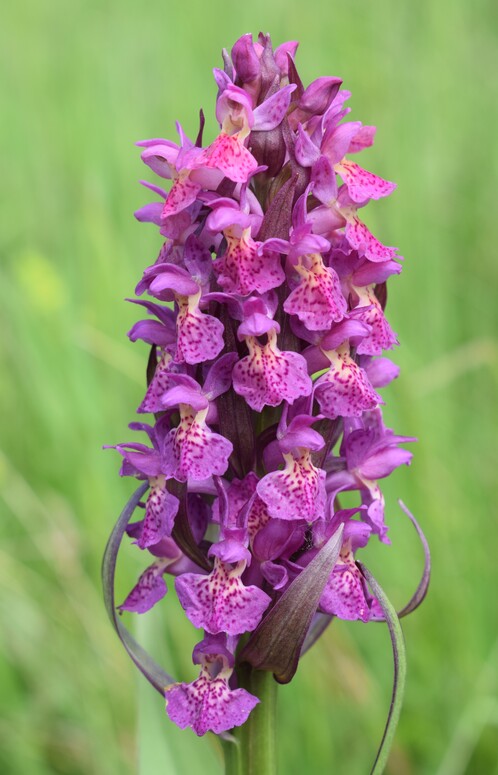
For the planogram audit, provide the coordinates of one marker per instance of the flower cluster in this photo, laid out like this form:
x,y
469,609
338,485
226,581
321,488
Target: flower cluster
x,y
266,325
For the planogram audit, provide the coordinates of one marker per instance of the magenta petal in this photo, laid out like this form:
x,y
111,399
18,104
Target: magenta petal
x,y
381,337
337,139
143,459
230,550
156,189
150,213
299,433
193,451
159,384
160,512
208,705
226,215
229,154
364,138
219,377
380,371
324,185
297,492
276,575
234,107
245,59
344,594
243,269
223,80
267,376
282,54
152,332
369,273
362,240
238,494
350,328
198,259
319,95
317,301
345,390
215,652
270,113
200,336
256,323
375,515
184,390
305,149
384,462
149,589
277,537
258,517
220,602
362,184
168,277
358,445
161,158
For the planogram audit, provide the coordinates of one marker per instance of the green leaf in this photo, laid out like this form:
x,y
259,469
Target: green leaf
x,y
423,586
154,674
277,642
399,654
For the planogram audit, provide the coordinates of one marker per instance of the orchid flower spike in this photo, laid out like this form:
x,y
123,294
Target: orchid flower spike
x,y
266,331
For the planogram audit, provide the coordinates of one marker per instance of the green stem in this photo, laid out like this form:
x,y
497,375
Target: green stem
x,y
254,751
231,754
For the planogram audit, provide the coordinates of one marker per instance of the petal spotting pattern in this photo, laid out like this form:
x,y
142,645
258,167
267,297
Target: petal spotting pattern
x,y
263,331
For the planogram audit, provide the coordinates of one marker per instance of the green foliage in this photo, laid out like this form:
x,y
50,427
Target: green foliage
x,y
81,81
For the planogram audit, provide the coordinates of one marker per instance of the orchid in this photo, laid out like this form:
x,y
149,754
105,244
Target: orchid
x,y
266,326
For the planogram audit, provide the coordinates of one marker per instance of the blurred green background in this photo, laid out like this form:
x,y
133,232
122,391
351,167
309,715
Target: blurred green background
x,y
80,82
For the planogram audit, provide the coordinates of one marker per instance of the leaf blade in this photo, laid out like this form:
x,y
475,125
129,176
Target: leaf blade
x,y
147,666
423,586
277,642
399,659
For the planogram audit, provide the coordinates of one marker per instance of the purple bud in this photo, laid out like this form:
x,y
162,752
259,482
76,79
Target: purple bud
x,y
245,59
